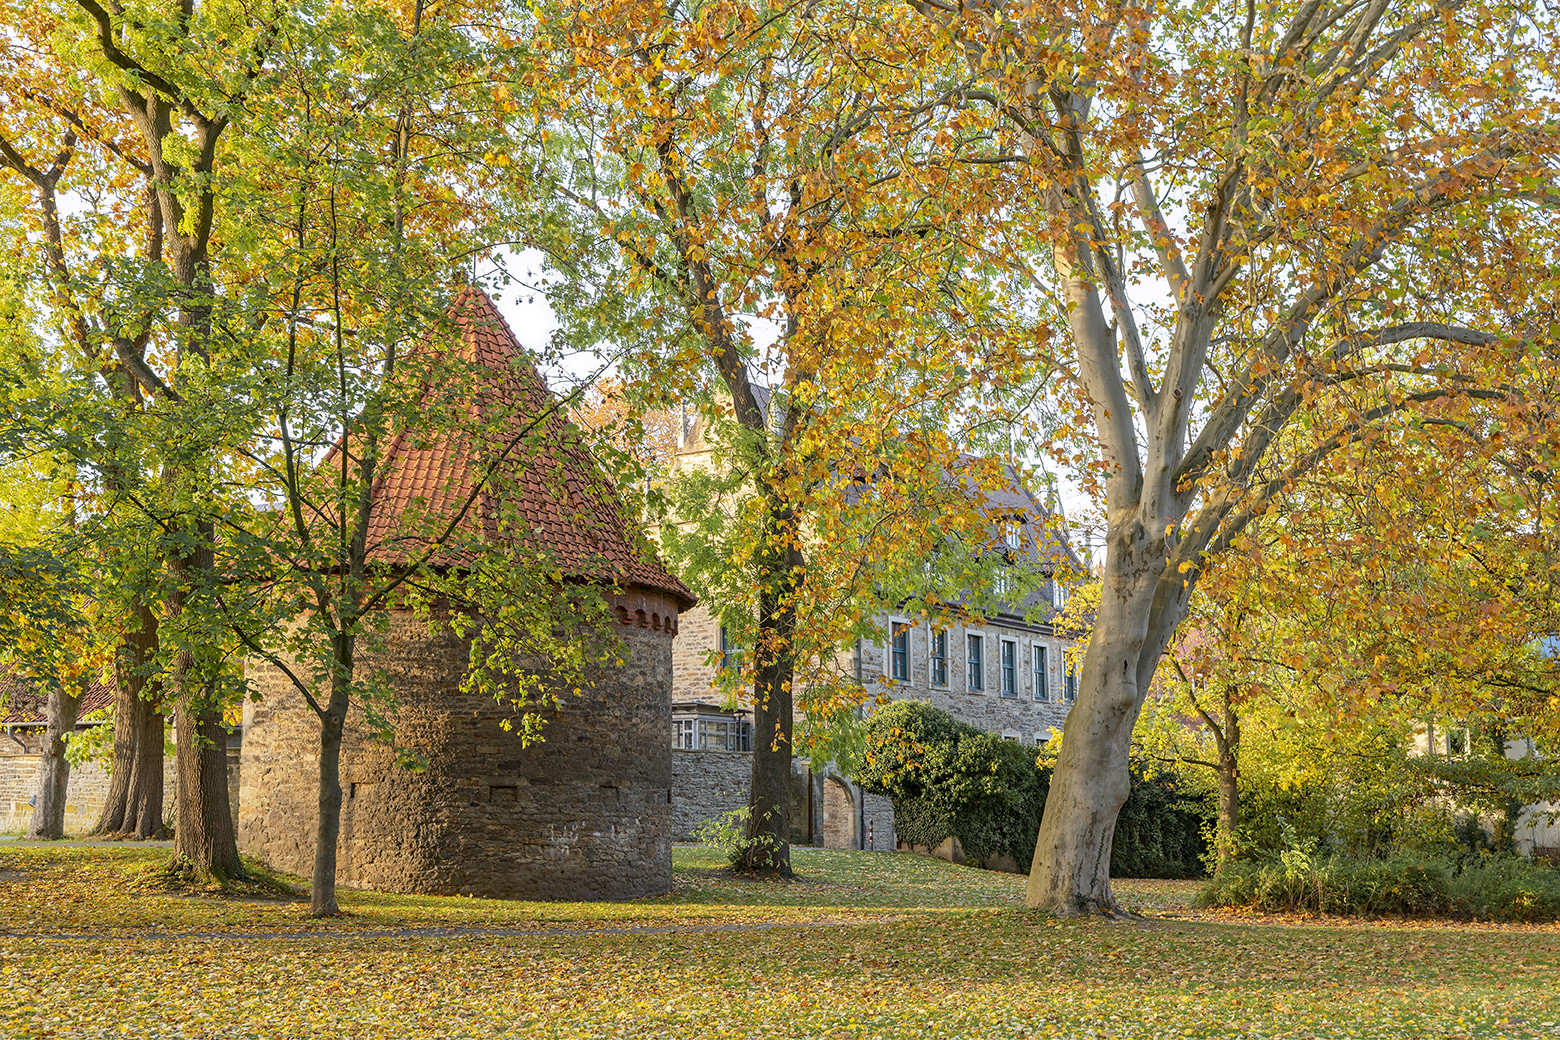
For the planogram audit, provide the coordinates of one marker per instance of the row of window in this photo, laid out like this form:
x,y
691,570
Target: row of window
x,y
975,663
712,734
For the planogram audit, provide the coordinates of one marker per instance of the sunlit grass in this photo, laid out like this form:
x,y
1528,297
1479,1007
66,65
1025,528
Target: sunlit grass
x,y
859,945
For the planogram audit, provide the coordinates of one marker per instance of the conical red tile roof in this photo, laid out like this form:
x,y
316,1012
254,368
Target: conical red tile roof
x,y
546,493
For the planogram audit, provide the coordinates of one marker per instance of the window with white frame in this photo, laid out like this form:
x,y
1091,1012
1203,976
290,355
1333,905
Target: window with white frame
x,y
1070,693
1009,668
899,650
937,657
1042,669
730,654
1013,535
705,727
1000,582
973,646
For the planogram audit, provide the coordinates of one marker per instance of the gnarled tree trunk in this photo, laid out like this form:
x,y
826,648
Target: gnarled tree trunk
x,y
133,807
203,834
60,713
1071,871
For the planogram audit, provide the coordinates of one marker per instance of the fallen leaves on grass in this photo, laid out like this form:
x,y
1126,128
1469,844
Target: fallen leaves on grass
x,y
867,945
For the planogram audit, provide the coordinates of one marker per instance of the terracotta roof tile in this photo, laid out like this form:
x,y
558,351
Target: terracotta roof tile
x,y
547,492
21,703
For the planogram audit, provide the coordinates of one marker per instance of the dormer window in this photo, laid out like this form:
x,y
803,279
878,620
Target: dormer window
x,y
706,727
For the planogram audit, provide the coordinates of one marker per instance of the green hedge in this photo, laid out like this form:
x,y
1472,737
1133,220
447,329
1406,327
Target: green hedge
x,y
949,778
1500,888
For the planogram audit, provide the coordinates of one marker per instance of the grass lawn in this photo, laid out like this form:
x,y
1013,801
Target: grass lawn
x,y
862,945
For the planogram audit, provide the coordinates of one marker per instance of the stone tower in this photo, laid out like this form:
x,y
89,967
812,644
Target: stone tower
x,y
584,814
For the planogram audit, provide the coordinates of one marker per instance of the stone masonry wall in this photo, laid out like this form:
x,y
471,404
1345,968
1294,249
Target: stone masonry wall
x,y
693,678
84,792
584,814
1024,716
877,824
705,785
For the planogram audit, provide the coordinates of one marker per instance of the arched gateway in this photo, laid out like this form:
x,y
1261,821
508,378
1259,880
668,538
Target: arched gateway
x,y
585,814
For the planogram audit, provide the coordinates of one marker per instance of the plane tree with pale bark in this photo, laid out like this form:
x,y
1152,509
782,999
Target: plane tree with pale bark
x,y
1230,212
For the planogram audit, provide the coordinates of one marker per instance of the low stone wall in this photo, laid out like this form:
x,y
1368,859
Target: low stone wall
x,y
85,792
705,785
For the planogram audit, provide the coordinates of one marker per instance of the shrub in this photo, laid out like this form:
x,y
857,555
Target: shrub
x,y
1502,888
1334,885
1507,888
1159,832
949,778
728,833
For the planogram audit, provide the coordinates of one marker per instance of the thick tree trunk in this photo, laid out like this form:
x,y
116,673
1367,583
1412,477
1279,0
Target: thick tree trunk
x,y
203,837
133,807
1071,869
768,849
144,817
203,834
322,895
60,713
127,738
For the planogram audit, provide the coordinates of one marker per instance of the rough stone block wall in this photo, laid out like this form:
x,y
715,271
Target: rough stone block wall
x,y
693,678
84,793
705,785
839,815
584,814
877,823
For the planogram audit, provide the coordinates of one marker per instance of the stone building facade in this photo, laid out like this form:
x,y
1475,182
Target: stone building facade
x,y
586,812
1008,674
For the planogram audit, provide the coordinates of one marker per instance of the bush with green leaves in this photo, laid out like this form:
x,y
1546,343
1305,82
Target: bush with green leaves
x,y
1372,795
1299,880
728,832
947,778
